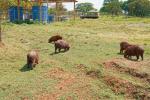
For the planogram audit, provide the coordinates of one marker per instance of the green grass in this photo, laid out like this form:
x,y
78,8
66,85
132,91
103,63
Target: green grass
x,y
92,42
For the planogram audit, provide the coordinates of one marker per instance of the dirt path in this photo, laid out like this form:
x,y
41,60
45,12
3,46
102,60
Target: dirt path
x,y
68,83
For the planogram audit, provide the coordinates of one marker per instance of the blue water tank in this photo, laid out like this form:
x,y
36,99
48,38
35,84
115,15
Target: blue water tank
x,y
13,13
36,13
50,18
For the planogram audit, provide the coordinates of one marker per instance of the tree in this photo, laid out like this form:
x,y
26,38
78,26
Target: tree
x,y
111,7
52,10
139,8
106,2
0,30
84,7
124,6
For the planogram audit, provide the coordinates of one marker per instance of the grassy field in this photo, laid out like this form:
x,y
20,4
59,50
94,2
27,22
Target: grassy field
x,y
91,70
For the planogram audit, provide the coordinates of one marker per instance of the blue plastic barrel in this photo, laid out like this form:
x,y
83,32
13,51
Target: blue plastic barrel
x,y
36,13
13,13
44,13
50,18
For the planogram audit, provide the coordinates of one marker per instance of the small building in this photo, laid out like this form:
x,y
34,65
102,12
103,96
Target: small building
x,y
94,14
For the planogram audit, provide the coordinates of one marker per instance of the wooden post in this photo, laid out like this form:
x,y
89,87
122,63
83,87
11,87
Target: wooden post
x,y
40,4
57,11
47,3
18,10
25,9
74,15
0,28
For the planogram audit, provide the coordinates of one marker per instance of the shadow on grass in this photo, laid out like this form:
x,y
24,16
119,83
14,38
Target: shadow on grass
x,y
134,60
120,53
25,68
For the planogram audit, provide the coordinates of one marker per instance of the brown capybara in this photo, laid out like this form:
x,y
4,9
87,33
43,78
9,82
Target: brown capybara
x,y
54,38
123,46
32,59
61,44
134,50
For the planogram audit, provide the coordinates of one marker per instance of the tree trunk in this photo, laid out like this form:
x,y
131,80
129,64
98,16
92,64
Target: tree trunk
x,y
0,30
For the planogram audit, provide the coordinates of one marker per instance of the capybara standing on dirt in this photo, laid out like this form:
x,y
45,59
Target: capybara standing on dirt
x,y
32,59
123,46
61,44
134,50
54,38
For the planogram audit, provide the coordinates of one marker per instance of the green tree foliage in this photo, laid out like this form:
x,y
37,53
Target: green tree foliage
x,y
52,10
139,8
124,6
84,7
112,7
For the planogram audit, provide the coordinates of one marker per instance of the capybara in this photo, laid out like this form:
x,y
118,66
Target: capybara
x,y
54,38
61,44
134,50
32,59
123,46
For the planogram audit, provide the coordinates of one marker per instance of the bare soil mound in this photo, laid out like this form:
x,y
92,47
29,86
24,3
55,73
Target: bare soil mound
x,y
130,67
120,86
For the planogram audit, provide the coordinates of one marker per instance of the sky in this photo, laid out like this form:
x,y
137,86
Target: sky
x,y
97,4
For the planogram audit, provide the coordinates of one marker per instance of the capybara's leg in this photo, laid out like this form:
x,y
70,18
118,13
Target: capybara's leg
x,y
28,63
36,61
59,49
121,51
55,49
142,56
128,56
65,49
137,56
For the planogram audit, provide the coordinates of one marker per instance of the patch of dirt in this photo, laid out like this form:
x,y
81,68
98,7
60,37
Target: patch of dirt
x,y
25,98
58,73
120,86
130,67
94,73
67,83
